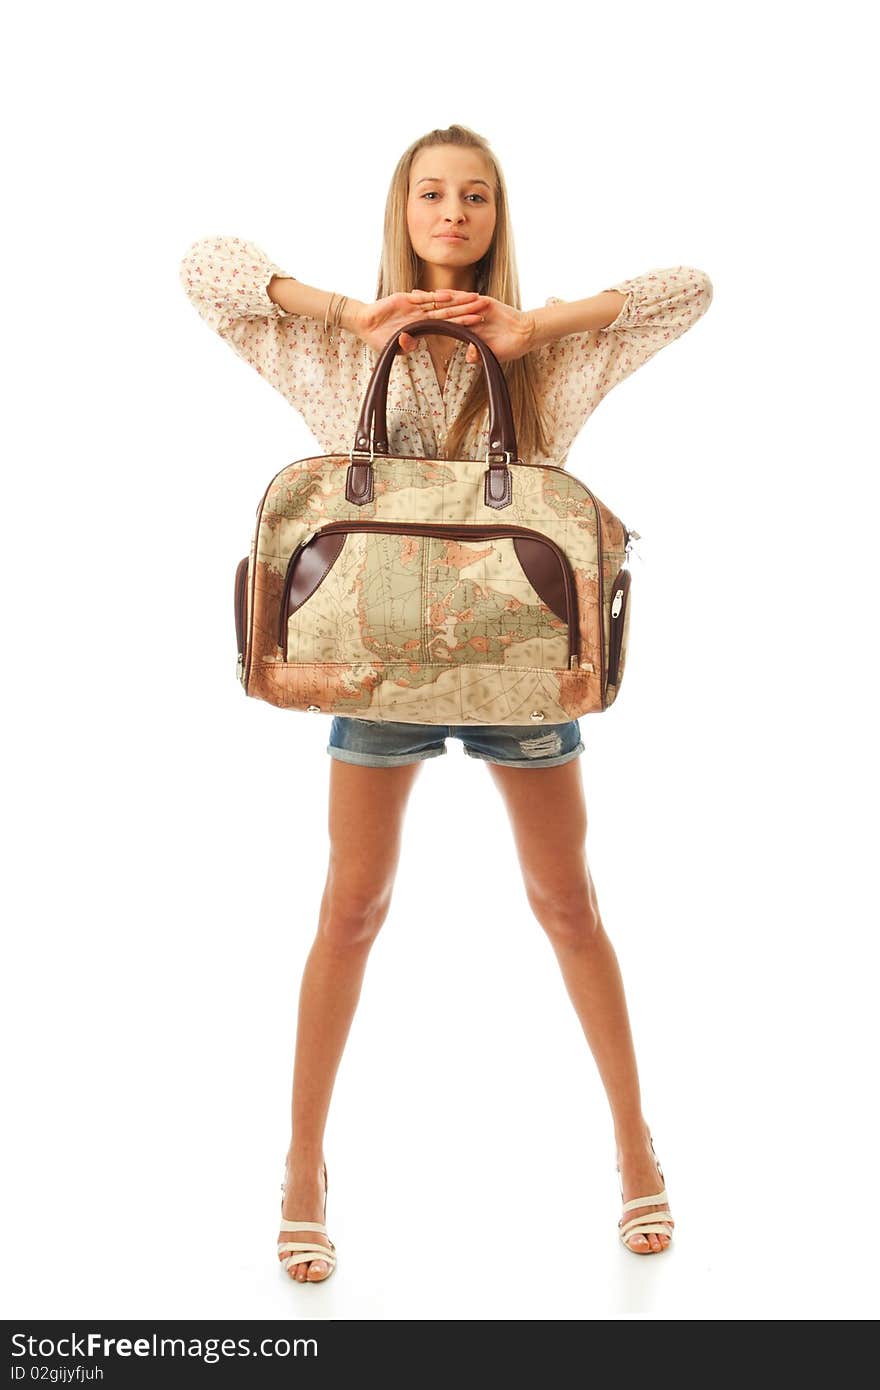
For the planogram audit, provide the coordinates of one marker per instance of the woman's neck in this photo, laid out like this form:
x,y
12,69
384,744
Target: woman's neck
x,y
441,277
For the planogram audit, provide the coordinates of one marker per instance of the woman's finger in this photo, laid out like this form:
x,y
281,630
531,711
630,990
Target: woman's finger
x,y
447,296
481,304
457,311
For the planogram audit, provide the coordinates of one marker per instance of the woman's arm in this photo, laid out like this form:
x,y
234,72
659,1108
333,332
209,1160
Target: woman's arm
x,y
650,309
230,280
578,316
322,372
580,367
296,298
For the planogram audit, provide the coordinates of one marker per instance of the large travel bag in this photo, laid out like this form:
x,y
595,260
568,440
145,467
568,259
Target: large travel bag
x,y
434,591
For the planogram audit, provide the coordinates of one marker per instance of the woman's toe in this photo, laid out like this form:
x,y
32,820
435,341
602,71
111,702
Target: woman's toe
x,y
317,1269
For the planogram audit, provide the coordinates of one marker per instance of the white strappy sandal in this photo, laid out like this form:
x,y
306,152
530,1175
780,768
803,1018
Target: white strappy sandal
x,y
659,1221
306,1250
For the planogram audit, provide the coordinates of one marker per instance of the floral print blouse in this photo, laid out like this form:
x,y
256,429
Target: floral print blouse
x,y
324,374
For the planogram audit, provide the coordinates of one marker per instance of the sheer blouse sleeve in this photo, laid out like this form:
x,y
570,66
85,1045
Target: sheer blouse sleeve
x,y
578,371
322,373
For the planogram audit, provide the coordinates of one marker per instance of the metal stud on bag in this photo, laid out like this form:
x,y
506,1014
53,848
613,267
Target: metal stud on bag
x,y
537,714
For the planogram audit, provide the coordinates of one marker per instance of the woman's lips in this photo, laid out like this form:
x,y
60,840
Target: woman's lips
x,y
450,236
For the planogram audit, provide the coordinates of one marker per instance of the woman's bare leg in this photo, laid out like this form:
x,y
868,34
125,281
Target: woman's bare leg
x,y
366,811
549,819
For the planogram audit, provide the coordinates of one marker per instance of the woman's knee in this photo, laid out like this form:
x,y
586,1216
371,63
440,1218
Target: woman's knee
x,y
570,916
352,919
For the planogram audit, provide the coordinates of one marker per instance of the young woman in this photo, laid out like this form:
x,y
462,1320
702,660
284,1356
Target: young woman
x,y
448,254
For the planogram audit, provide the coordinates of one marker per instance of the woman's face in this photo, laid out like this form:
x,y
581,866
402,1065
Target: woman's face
x,y
450,190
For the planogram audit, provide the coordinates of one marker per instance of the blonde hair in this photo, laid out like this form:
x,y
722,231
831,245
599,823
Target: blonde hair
x,y
496,275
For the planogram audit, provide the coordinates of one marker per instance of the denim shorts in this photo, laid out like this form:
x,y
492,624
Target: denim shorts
x,y
387,743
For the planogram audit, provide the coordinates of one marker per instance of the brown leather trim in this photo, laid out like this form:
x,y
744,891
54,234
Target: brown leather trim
x,y
621,585
241,603
306,569
358,483
498,487
542,569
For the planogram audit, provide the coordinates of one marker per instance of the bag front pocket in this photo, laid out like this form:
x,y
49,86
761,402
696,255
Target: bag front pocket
x,y
429,595
619,625
241,574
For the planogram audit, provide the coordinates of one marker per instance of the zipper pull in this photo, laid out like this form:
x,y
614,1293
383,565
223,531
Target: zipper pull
x,y
630,537
617,604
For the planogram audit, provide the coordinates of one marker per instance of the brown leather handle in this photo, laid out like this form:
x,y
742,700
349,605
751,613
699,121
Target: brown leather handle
x,y
374,410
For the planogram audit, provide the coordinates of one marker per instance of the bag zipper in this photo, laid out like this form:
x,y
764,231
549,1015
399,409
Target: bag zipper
x,y
476,531
619,599
241,612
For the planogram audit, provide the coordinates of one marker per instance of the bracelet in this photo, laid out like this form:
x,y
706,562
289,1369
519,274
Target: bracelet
x,y
337,312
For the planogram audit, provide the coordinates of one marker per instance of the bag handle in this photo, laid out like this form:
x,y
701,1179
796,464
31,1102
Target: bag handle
x,y
371,437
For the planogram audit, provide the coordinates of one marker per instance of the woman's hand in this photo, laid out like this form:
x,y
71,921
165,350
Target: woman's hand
x,y
377,322
507,331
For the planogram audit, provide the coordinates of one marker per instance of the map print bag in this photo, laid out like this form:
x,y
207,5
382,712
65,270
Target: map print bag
x,y
433,591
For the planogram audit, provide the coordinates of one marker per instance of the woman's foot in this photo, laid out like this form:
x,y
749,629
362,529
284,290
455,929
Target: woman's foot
x,y
304,1200
641,1176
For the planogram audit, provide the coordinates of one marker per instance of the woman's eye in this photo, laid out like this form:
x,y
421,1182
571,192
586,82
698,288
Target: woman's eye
x,y
432,192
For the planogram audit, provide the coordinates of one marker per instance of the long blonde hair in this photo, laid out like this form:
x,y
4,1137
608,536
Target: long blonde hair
x,y
496,275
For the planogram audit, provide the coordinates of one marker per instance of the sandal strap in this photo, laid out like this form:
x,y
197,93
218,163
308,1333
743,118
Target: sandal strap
x,y
648,1221
287,1225
653,1201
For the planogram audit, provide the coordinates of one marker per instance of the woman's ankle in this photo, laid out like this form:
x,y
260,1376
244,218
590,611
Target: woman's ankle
x,y
632,1136
304,1160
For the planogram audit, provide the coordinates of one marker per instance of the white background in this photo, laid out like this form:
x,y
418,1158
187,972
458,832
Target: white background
x,y
166,837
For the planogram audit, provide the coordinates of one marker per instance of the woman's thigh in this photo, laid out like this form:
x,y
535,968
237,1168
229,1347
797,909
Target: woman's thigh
x,y
365,821
548,816
374,764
